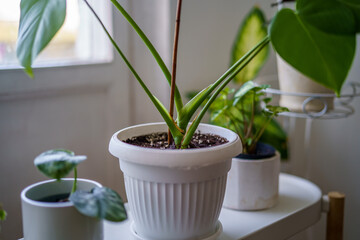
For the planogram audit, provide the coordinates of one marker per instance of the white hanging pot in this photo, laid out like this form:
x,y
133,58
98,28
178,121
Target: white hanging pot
x,y
293,82
253,184
57,220
174,194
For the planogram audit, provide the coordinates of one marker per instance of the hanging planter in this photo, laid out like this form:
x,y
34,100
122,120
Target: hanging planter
x,y
292,83
175,194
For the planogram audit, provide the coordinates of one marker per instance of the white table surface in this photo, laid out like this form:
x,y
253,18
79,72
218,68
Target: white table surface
x,y
299,207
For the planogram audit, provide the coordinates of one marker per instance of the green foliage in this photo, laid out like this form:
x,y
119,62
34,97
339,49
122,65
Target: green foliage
x,y
305,38
57,163
241,112
252,30
318,39
101,203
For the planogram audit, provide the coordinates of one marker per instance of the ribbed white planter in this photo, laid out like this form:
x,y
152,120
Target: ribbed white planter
x,y
174,194
292,81
57,221
253,184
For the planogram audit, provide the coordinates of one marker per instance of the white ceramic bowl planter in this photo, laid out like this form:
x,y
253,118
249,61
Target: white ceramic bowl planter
x,y
57,221
175,194
292,81
253,184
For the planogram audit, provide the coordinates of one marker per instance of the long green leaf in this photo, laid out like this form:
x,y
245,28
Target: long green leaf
x,y
159,106
324,57
252,30
39,22
237,67
178,101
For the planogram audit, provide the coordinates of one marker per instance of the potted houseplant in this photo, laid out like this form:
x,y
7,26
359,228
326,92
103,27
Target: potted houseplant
x,y
173,166
67,208
254,176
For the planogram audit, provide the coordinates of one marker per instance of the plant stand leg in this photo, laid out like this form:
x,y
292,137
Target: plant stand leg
x,y
335,216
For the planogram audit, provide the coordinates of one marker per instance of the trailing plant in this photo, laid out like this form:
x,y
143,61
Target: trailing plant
x,y
241,112
291,33
100,202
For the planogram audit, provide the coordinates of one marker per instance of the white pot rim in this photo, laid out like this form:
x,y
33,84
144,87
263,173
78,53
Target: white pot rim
x,y
181,158
48,204
276,156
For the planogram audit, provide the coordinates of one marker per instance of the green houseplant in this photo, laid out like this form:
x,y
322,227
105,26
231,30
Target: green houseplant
x,y
67,208
169,166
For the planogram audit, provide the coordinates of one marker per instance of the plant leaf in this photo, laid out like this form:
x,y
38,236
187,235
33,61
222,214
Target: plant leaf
x,y
57,163
39,22
329,16
326,58
354,5
101,203
252,30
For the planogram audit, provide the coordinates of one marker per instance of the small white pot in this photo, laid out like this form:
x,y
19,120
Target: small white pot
x,y
57,221
253,184
174,194
292,81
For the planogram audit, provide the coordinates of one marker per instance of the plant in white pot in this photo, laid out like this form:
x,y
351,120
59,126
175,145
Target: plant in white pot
x,y
254,175
324,35
159,182
67,208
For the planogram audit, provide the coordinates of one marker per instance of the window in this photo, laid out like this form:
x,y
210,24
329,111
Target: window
x,y
73,45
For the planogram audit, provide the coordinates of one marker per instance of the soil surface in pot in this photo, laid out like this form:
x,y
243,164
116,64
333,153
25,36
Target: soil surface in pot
x,y
159,140
63,197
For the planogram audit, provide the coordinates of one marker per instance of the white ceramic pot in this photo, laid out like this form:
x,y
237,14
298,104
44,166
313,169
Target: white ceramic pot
x,y
253,184
57,221
292,81
174,194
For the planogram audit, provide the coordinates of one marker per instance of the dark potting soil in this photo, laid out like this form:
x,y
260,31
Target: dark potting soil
x,y
63,197
159,140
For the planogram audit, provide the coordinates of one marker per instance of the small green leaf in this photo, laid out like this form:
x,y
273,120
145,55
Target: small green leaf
x,y
252,30
40,20
101,203
57,163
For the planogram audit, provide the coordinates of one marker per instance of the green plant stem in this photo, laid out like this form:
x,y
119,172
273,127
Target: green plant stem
x,y
159,106
178,101
261,131
242,62
249,129
75,181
